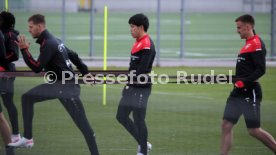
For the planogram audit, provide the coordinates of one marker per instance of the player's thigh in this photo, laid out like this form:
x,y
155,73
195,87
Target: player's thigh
x,y
43,92
3,85
127,97
68,91
141,97
251,112
251,107
123,112
74,107
233,111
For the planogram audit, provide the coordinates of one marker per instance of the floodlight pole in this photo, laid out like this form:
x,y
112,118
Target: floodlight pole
x,y
252,7
182,50
63,22
91,48
273,29
158,34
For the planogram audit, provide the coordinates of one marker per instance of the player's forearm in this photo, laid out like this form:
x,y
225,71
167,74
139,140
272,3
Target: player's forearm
x,y
259,61
34,65
259,72
145,62
76,60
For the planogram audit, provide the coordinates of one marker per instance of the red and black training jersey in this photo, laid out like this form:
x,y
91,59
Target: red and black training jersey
x,y
54,56
251,63
12,49
142,56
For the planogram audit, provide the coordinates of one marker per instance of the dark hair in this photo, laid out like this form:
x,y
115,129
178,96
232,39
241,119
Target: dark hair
x,y
138,20
37,19
246,19
8,20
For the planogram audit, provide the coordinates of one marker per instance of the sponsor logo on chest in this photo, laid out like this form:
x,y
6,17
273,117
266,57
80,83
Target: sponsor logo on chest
x,y
239,59
133,57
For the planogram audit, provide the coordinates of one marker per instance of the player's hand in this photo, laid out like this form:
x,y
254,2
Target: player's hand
x,y
22,42
239,84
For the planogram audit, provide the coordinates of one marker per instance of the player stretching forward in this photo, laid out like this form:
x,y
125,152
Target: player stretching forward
x,y
55,57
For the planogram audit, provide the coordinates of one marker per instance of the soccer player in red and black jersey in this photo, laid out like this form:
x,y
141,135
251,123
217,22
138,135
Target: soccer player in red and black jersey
x,y
246,96
135,95
55,57
7,21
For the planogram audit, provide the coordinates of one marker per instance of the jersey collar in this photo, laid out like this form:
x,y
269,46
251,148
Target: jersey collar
x,y
251,38
43,36
146,35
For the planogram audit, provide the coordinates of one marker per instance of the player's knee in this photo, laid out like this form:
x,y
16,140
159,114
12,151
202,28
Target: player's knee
x,y
25,98
7,104
120,118
2,118
226,125
141,125
253,131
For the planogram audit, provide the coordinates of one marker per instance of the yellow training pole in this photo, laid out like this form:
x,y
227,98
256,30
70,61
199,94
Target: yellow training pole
x,y
6,5
105,52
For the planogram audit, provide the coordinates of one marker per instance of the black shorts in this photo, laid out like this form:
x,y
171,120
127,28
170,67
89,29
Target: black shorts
x,y
6,85
244,102
135,97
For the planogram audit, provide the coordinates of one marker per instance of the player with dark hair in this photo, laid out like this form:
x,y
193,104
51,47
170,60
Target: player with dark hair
x,y
246,96
135,96
7,23
55,57
4,125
